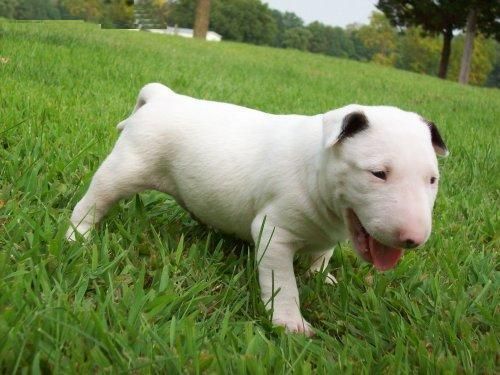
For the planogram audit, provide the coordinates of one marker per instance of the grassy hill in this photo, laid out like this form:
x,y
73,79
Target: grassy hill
x,y
153,290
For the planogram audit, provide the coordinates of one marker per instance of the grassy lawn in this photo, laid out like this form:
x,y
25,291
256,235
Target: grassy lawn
x,y
153,291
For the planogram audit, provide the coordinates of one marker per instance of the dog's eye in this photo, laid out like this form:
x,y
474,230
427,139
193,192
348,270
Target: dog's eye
x,y
433,180
380,174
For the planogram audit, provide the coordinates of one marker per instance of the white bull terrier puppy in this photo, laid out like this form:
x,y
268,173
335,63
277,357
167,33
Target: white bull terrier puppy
x,y
291,184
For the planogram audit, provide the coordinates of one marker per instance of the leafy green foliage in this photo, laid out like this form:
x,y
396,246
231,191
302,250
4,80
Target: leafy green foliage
x,y
284,21
380,38
153,291
248,21
493,79
488,16
251,21
435,17
483,59
243,20
29,9
182,13
333,41
443,17
298,38
418,53
110,13
120,14
8,8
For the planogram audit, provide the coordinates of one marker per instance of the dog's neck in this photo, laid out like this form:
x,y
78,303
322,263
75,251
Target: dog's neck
x,y
325,199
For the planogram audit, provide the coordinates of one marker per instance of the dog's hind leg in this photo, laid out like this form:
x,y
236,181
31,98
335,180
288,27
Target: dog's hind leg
x,y
122,174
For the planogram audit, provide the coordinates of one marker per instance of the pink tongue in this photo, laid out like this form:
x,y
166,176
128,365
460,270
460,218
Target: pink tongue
x,y
384,257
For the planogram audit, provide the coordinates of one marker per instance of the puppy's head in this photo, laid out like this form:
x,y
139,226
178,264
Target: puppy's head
x,y
380,169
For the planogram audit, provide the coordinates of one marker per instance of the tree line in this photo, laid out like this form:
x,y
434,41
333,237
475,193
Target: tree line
x,y
414,35
109,13
417,35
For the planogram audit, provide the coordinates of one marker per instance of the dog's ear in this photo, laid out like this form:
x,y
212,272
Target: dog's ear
x,y
437,141
343,123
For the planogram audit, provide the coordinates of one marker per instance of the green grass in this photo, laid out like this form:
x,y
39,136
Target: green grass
x,y
154,291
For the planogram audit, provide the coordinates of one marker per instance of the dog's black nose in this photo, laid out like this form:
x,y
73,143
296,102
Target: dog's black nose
x,y
409,244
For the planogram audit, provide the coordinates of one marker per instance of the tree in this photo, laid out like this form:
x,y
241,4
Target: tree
x,y
183,13
31,9
380,38
244,20
470,34
8,8
117,14
482,59
434,16
320,38
89,10
333,41
417,53
163,10
482,15
284,21
202,19
359,50
493,79
340,43
297,38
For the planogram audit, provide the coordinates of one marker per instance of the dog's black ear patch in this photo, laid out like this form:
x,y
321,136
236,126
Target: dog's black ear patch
x,y
436,139
352,124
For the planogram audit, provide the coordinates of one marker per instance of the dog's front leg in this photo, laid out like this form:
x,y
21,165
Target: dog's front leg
x,y
275,251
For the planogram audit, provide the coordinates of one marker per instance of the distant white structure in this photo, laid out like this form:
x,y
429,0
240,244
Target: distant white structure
x,y
212,36
147,20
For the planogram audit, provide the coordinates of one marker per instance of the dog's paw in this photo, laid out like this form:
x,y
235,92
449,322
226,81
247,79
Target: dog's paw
x,y
330,279
299,325
71,233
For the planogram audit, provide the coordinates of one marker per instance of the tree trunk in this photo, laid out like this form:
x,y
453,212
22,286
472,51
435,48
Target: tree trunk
x,y
202,19
470,34
445,53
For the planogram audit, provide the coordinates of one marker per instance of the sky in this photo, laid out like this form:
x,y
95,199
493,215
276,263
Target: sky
x,y
330,12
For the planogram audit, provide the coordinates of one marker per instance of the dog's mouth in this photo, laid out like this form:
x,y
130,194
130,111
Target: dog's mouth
x,y
381,256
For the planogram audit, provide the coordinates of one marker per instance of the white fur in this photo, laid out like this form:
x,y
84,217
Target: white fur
x,y
281,181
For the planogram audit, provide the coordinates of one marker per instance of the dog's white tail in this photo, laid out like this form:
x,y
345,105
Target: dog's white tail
x,y
147,93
